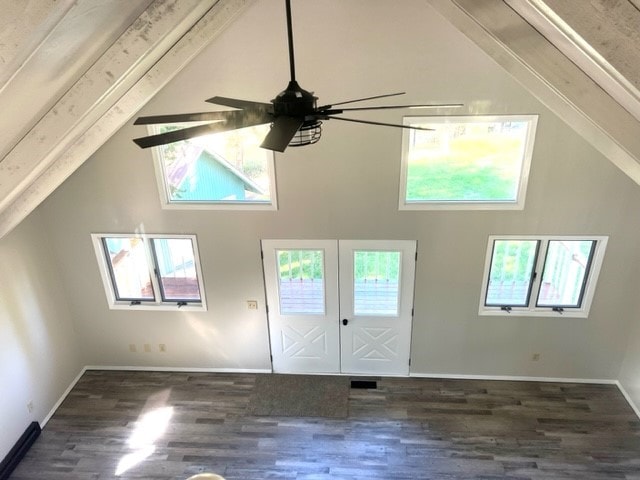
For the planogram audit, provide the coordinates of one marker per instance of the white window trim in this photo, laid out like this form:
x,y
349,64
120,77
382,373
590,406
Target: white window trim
x,y
158,304
166,203
532,310
469,205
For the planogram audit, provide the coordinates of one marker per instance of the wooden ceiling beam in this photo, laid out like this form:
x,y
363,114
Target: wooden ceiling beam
x,y
149,53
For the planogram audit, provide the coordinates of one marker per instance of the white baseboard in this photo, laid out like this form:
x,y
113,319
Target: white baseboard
x,y
628,398
62,398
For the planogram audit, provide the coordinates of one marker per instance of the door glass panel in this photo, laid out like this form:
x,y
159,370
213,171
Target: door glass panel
x,y
511,274
376,280
301,282
176,265
565,271
129,268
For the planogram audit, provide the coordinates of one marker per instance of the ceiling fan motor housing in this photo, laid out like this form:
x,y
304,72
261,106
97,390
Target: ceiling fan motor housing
x,y
294,102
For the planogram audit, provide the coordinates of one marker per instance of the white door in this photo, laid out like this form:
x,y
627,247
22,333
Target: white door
x,y
364,327
376,304
301,279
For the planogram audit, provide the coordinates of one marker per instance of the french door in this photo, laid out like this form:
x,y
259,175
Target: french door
x,y
340,306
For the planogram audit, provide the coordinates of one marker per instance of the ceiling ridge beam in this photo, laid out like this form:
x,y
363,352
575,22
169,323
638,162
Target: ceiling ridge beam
x,y
146,57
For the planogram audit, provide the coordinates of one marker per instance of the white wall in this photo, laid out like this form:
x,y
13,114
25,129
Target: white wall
x,y
38,349
346,187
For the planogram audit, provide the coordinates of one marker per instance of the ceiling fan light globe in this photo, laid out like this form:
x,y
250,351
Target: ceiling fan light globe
x,y
308,134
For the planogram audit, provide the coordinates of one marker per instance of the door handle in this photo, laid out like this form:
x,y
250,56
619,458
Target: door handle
x,y
345,321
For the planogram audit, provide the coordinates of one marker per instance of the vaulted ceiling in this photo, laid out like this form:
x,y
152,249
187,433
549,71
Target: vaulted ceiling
x,y
74,71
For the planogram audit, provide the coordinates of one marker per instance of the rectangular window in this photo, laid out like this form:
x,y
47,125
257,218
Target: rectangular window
x,y
301,282
466,162
541,275
565,271
511,273
225,170
128,268
376,283
150,271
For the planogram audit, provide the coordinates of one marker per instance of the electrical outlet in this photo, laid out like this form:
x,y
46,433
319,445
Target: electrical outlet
x,y
147,347
132,348
535,357
252,304
162,347
30,406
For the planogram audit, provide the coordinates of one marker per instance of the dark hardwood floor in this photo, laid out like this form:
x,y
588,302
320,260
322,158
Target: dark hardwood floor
x,y
408,428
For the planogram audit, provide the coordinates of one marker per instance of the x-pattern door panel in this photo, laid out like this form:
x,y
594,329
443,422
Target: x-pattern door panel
x,y
375,344
301,342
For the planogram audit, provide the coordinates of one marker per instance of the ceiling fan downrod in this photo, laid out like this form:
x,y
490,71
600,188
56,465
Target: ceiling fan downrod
x,y
294,101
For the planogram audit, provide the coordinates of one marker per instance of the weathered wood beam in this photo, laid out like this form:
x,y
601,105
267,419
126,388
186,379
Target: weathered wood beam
x,y
550,76
567,33
153,50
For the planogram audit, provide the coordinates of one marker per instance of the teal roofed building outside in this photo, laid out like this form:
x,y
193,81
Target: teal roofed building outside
x,y
209,177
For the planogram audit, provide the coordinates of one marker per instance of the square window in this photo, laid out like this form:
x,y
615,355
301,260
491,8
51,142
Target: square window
x,y
150,271
541,275
466,162
226,170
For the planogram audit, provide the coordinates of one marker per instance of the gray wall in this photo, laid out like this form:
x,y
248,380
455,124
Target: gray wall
x,y
38,349
346,187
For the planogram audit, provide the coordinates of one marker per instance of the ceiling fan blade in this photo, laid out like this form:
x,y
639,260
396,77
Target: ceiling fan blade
x,y
183,117
365,98
241,104
389,107
281,133
383,124
241,119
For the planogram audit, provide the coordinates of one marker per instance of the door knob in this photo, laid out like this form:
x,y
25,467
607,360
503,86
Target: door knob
x,y
345,321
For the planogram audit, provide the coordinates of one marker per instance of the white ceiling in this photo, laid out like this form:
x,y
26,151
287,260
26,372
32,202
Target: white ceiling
x,y
74,71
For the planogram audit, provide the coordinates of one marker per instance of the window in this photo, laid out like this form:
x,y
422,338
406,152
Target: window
x,y
150,271
301,282
222,171
376,282
466,162
541,275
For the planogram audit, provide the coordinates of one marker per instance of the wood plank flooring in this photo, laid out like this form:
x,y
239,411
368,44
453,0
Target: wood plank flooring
x,y
408,428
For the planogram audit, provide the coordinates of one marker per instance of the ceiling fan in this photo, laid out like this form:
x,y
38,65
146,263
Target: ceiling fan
x,y
294,115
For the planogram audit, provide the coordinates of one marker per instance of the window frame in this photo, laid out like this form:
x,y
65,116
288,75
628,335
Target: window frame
x,y
532,309
167,204
157,303
521,191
